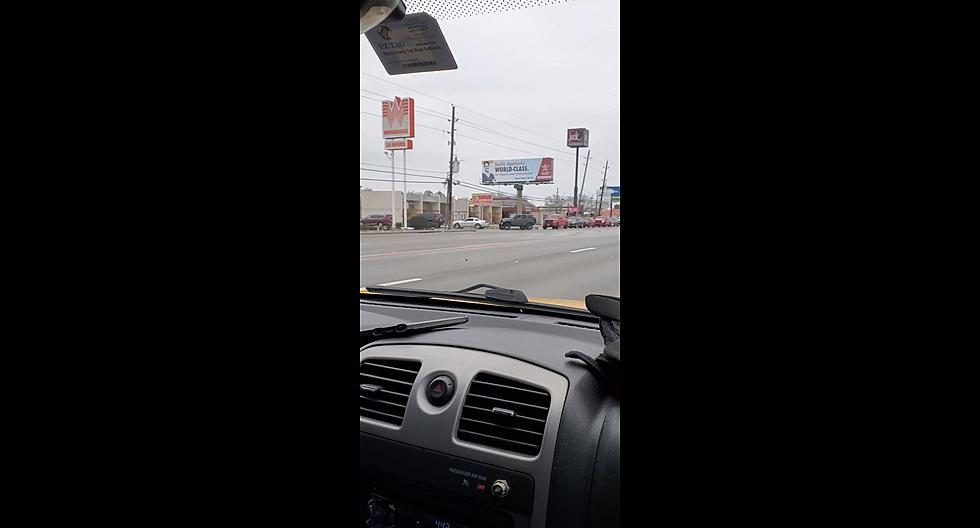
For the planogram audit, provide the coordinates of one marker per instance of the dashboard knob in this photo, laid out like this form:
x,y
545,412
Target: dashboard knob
x,y
500,489
440,390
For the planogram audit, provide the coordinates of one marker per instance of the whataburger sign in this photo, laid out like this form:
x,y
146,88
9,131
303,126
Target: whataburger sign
x,y
398,144
398,118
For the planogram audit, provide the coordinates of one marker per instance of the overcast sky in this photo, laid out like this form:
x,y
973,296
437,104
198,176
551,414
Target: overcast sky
x,y
543,69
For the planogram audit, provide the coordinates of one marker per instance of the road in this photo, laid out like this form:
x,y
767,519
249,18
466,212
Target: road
x,y
562,264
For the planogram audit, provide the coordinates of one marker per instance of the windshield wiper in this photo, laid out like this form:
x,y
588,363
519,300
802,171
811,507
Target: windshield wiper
x,y
493,292
381,332
498,293
502,298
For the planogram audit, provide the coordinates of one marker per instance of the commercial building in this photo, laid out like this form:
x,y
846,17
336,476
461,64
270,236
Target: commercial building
x,y
379,202
492,207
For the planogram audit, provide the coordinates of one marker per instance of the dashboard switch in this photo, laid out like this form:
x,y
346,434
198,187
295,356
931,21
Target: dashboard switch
x,y
440,391
500,489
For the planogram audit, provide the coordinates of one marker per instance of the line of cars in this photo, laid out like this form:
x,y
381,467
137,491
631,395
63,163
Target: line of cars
x,y
419,221
519,221
578,222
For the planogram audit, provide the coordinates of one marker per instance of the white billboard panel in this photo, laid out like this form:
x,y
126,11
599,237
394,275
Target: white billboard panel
x,y
525,170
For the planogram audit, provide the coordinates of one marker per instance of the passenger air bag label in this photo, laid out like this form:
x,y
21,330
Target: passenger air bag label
x,y
467,474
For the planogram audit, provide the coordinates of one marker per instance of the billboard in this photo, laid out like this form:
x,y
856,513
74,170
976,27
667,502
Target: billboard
x,y
481,199
614,193
399,144
525,170
578,137
398,118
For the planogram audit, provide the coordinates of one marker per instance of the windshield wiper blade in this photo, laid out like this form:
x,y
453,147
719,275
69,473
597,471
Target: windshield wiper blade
x,y
381,332
498,293
506,300
493,293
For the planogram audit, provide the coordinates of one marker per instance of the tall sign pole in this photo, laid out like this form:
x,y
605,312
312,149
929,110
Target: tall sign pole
x,y
577,138
452,143
576,178
404,189
398,123
392,189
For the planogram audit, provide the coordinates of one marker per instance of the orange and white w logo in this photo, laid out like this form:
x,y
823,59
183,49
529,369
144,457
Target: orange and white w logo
x,y
395,110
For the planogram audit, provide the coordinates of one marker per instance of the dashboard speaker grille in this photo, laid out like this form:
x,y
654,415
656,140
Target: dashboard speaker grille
x,y
385,387
504,414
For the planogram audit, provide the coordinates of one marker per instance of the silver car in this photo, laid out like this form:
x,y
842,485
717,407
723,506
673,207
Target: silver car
x,y
475,223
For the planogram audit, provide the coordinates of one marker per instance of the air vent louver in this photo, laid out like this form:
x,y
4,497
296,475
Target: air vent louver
x,y
504,414
385,386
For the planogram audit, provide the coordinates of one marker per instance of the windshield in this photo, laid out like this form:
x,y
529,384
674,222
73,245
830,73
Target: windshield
x,y
528,125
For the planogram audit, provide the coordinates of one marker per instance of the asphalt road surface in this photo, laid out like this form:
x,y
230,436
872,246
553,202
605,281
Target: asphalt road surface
x,y
562,264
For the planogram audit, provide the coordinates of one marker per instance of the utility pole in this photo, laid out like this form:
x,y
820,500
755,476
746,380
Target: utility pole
x,y
586,173
452,143
602,191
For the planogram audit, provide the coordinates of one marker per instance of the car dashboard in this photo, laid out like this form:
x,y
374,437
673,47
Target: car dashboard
x,y
486,424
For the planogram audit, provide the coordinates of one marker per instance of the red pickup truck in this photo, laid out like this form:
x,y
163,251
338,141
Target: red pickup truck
x,y
603,221
555,222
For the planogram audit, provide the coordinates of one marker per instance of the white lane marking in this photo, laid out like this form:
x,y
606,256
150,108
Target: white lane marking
x,y
399,282
584,249
454,248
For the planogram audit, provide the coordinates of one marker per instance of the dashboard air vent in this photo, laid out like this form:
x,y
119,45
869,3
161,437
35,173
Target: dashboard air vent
x,y
504,414
385,386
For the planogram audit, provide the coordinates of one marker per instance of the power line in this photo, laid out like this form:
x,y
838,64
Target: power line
x,y
458,106
406,88
476,125
502,146
385,180
492,131
417,106
420,170
407,173
416,124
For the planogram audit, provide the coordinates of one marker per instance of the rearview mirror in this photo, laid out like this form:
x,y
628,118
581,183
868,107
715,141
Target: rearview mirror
x,y
374,12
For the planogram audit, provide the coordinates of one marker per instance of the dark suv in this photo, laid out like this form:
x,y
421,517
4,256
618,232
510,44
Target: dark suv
x,y
426,221
523,221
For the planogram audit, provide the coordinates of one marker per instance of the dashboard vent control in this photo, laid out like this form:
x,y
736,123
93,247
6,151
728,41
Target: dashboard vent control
x,y
385,386
504,414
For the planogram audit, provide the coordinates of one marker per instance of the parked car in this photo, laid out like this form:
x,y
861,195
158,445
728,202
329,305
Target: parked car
x,y
555,222
473,222
589,221
615,221
523,221
375,220
603,221
426,221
